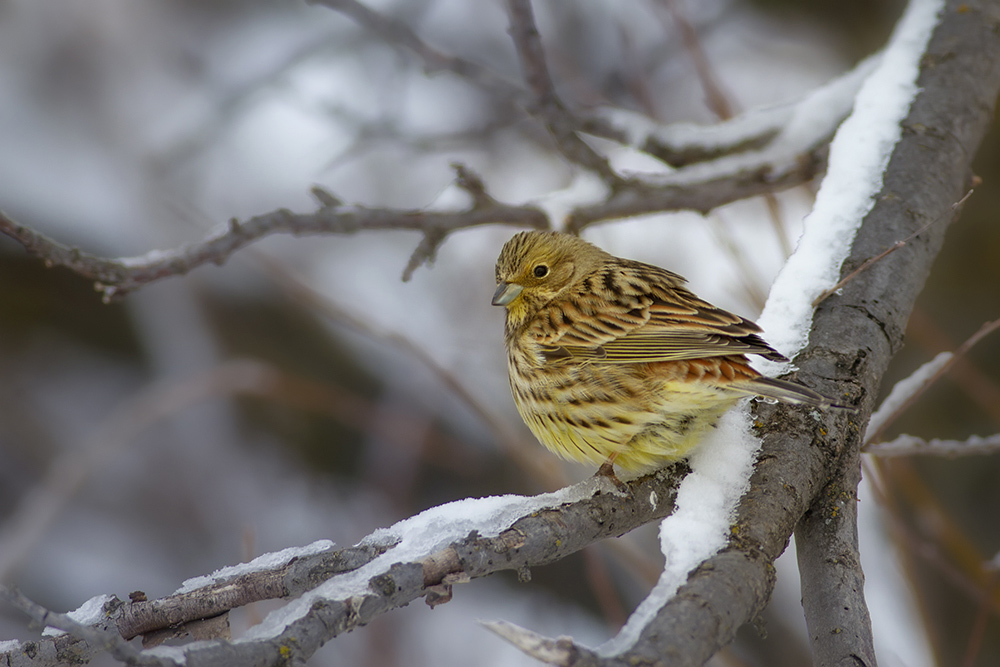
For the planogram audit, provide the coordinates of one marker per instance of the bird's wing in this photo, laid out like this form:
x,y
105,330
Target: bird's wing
x,y
637,313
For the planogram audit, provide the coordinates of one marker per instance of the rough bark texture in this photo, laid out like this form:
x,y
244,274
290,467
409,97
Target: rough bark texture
x,y
929,171
812,464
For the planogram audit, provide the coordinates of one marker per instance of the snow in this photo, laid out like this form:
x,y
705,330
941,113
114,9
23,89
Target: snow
x,y
9,645
703,512
639,128
585,188
417,537
90,612
859,152
269,561
904,389
796,126
800,127
910,445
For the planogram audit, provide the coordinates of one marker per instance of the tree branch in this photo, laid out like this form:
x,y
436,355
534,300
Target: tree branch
x,y
116,277
547,106
540,536
854,337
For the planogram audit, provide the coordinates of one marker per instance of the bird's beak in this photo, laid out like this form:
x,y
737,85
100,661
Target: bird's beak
x,y
506,292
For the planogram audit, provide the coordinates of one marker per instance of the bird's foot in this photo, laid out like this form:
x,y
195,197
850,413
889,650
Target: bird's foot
x,y
607,470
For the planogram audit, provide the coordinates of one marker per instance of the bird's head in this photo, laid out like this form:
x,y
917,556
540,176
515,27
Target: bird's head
x,y
536,267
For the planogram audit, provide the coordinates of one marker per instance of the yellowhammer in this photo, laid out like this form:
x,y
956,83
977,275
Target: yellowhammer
x,y
615,361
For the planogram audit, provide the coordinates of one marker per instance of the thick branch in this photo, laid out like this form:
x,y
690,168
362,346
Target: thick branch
x,y
853,339
833,596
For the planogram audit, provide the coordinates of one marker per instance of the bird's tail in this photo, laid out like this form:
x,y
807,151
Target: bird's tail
x,y
791,392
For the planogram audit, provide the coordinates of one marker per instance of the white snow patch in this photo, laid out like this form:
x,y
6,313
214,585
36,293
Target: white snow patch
x,y
267,561
903,390
417,537
859,154
706,504
90,612
722,465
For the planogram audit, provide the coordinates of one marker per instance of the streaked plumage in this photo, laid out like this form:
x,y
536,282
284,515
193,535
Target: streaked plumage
x,y
612,359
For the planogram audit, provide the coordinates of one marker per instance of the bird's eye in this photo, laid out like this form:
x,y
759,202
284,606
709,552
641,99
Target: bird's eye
x,y
541,271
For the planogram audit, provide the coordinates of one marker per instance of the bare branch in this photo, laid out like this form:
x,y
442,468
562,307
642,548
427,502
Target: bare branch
x,y
754,177
502,90
116,277
547,105
395,32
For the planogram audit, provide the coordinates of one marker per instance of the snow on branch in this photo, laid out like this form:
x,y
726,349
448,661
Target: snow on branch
x,y
906,392
336,590
682,144
851,339
794,155
909,445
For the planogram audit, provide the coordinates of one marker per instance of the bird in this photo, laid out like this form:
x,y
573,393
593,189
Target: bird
x,y
615,362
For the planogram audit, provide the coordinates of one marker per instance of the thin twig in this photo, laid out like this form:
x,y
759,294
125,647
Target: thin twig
x,y
395,32
547,106
116,277
909,445
888,251
716,99
542,469
962,349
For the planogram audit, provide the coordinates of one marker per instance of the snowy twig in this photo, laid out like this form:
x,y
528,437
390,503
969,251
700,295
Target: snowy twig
x,y
910,445
116,277
908,390
793,155
546,531
98,638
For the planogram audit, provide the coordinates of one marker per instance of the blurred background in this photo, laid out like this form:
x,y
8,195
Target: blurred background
x,y
303,391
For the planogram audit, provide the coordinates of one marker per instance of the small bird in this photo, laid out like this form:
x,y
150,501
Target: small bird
x,y
613,361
